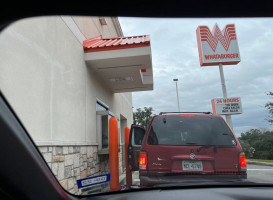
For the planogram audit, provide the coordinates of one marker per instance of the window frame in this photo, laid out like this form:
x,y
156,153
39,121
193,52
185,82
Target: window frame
x,y
99,114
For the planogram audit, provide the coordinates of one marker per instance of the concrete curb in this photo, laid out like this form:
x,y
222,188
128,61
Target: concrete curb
x,y
135,178
122,179
259,163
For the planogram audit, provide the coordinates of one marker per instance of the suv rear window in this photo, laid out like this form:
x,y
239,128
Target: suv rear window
x,y
195,130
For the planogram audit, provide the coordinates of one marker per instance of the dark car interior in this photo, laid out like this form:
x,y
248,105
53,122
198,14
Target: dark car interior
x,y
31,178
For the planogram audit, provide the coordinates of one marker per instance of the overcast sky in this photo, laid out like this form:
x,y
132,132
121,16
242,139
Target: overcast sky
x,y
175,55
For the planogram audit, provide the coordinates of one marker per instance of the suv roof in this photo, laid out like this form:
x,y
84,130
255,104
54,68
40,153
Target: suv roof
x,y
164,113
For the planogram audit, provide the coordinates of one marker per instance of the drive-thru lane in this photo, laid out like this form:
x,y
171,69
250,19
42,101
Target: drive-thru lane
x,y
255,173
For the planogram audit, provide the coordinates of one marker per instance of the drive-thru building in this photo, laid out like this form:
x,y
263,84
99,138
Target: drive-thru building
x,y
66,78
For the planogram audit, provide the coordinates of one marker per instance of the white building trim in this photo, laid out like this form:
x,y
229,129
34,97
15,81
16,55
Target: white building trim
x,y
126,100
74,28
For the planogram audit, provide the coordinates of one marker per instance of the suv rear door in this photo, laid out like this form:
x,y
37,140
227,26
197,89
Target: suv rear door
x,y
135,141
205,143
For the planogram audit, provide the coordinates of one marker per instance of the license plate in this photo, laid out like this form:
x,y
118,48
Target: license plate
x,y
192,165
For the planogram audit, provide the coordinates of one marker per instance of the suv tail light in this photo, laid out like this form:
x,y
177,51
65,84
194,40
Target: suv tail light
x,y
242,161
143,160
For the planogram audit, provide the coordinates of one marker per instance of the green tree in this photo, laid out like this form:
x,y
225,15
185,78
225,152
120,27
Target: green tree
x,y
246,147
269,107
260,140
143,116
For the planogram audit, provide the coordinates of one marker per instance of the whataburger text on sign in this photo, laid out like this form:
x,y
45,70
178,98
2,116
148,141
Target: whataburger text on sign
x,y
228,106
217,46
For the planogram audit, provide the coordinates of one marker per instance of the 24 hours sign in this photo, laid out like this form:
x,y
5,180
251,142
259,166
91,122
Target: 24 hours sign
x,y
228,106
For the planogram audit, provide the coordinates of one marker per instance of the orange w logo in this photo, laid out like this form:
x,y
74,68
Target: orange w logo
x,y
225,36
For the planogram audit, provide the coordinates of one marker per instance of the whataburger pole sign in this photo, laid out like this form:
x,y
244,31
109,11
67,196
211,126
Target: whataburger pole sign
x,y
218,47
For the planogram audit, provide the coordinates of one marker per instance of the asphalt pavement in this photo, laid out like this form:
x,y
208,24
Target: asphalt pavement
x,y
260,173
256,172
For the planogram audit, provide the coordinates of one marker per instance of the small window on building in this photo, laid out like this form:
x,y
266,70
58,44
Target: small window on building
x,y
102,111
123,124
104,132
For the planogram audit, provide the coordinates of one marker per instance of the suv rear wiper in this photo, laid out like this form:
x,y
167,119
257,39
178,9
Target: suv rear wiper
x,y
203,146
191,143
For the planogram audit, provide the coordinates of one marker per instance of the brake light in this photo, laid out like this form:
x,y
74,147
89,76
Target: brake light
x,y
242,160
187,115
142,160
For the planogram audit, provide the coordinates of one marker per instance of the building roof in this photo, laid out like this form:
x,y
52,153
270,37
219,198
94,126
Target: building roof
x,y
105,44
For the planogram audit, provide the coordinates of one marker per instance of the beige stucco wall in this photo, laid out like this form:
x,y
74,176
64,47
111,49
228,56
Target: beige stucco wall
x,y
45,79
90,27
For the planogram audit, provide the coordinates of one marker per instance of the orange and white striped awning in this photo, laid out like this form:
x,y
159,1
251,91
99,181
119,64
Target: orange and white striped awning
x,y
104,44
124,64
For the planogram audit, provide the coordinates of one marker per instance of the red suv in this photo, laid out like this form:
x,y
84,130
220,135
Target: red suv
x,y
181,147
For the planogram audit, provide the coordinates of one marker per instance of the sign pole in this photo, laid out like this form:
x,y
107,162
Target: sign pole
x,y
228,117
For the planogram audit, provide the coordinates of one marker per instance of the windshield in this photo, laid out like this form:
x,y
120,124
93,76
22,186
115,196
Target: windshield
x,y
177,130
120,103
